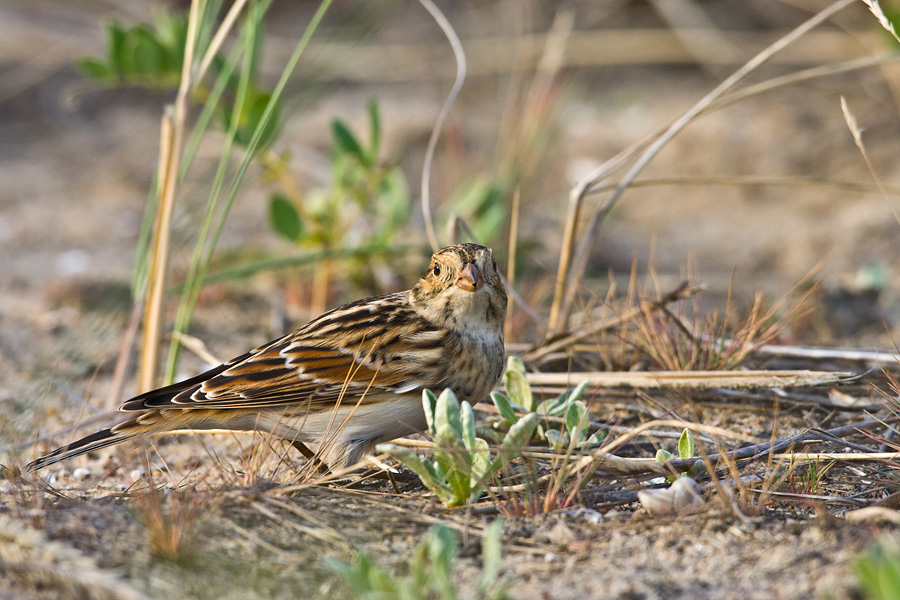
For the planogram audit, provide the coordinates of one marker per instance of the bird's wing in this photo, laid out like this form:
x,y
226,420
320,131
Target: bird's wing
x,y
343,358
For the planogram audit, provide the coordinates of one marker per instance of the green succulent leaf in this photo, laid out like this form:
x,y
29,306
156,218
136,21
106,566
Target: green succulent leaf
x,y
519,390
518,437
504,408
686,447
422,468
467,418
148,57
481,464
451,454
429,401
446,412
578,392
663,455
576,419
251,119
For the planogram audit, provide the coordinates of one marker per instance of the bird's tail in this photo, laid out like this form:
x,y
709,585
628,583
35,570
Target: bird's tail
x,y
95,441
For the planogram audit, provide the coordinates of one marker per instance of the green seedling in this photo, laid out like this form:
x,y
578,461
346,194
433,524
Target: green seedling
x,y
462,462
686,450
430,570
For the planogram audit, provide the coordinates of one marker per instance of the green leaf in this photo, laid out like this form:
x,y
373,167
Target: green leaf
x,y
481,464
467,418
429,401
345,142
663,455
442,550
451,453
491,547
686,444
251,119
393,199
595,440
514,363
558,439
147,55
519,391
446,412
504,408
516,438
284,218
575,419
115,46
422,468
374,128
578,392
96,69
555,407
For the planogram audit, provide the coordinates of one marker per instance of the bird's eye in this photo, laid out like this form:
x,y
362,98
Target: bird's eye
x,y
495,263
436,270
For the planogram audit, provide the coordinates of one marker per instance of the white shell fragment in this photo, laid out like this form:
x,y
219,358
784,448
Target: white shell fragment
x,y
672,500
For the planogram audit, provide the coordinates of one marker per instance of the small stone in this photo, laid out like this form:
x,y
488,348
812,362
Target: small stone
x,y
80,474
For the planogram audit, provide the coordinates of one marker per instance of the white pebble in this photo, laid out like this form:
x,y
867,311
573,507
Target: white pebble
x,y
80,474
136,474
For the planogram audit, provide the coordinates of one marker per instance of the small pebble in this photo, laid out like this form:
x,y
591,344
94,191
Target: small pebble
x,y
551,557
80,474
136,474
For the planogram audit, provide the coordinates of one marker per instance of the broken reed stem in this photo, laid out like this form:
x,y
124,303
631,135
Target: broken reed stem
x,y
171,142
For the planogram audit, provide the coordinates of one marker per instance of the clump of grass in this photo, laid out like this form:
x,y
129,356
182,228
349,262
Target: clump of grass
x,y
171,522
671,341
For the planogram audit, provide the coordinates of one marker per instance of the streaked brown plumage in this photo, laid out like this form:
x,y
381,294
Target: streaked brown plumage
x,y
349,379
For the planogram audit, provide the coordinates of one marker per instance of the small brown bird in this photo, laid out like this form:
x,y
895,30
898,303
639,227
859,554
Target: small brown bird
x,y
349,379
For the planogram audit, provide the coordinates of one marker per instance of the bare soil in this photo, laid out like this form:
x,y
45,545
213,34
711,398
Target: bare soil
x,y
76,165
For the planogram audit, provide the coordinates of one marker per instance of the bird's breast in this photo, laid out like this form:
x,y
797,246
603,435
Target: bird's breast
x,y
474,363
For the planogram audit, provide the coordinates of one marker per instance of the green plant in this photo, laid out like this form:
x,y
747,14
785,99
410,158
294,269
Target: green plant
x,y
686,449
365,207
565,421
430,570
878,570
462,462
152,57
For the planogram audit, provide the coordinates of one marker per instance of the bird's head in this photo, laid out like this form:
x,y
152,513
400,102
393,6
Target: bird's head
x,y
462,289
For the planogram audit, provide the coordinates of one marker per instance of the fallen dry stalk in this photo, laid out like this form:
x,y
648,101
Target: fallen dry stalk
x,y
699,380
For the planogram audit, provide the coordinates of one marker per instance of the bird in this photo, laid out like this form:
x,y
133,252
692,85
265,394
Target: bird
x,y
347,380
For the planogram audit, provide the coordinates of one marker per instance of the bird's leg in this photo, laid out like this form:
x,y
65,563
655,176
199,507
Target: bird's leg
x,y
311,456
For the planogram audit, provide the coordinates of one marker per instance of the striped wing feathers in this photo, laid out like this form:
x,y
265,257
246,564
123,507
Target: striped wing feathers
x,y
363,349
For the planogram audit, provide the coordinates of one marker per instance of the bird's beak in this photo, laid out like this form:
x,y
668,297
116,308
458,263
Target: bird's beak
x,y
470,278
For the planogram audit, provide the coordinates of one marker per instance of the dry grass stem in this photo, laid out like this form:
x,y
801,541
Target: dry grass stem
x,y
563,306
694,379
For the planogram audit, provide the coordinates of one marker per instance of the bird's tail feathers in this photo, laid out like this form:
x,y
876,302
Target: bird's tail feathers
x,y
95,441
